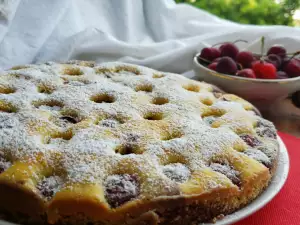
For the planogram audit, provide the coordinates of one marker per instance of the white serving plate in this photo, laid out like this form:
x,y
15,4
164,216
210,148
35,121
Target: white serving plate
x,y
274,187
276,184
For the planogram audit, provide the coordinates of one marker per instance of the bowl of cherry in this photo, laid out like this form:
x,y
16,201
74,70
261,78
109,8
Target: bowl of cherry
x,y
260,78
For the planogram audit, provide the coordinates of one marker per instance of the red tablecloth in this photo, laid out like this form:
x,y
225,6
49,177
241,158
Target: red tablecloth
x,y
284,209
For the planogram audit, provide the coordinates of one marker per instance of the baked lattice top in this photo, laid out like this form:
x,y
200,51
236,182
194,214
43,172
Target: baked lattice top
x,y
132,131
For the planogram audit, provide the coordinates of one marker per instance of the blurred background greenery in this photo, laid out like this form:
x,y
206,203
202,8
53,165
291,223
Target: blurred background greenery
x,y
261,12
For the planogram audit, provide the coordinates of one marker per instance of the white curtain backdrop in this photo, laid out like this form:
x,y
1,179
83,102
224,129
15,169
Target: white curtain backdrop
x,y
155,33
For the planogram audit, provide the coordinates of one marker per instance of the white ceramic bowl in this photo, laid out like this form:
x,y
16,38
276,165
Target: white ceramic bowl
x,y
261,92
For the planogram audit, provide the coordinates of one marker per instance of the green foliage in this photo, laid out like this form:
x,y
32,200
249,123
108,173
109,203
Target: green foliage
x,y
250,11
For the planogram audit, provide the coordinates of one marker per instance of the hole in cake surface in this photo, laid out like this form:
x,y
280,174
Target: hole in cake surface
x,y
7,107
158,75
67,135
103,70
67,120
192,87
129,144
129,69
228,171
153,116
120,189
172,135
259,156
144,87
52,105
7,90
177,172
19,67
206,101
72,71
111,122
160,101
103,98
250,140
45,89
125,149
215,112
49,186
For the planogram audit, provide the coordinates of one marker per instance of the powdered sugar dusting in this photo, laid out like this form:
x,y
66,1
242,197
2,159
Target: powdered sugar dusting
x,y
177,172
101,109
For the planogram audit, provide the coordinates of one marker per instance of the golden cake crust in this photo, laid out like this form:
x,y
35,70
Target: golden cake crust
x,y
115,143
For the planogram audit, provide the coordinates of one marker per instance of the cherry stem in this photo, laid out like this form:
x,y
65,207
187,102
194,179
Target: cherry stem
x,y
294,55
262,47
240,40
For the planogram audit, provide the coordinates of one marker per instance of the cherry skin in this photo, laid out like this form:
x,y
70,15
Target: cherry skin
x,y
282,75
277,50
213,66
249,73
264,70
210,54
245,58
292,68
229,49
216,52
226,65
275,60
217,59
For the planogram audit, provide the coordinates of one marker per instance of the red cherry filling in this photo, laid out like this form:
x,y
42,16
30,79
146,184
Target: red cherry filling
x,y
266,129
258,156
228,171
120,189
250,140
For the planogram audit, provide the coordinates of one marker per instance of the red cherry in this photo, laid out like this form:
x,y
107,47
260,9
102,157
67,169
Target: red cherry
x,y
264,70
249,73
210,54
245,58
277,50
217,59
229,49
213,66
226,65
216,52
292,68
282,75
275,60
